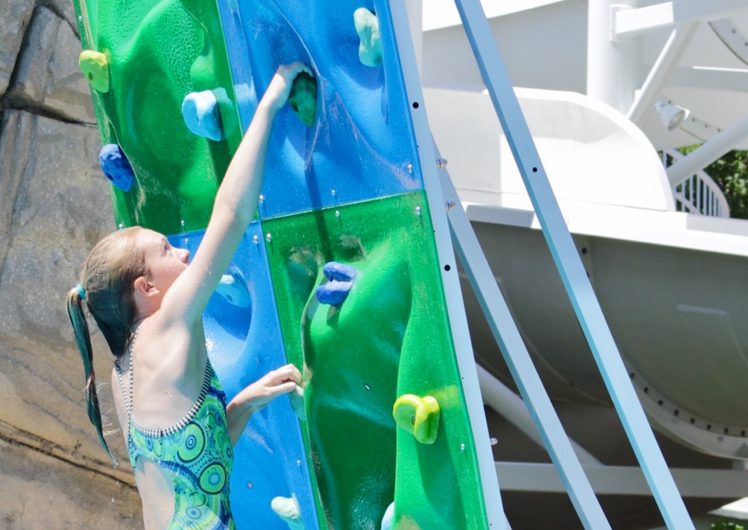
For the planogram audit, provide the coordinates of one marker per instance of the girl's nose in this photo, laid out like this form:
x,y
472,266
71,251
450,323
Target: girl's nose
x,y
185,255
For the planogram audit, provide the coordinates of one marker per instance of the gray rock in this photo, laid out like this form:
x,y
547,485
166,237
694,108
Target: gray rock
x,y
48,76
13,22
40,492
65,9
55,205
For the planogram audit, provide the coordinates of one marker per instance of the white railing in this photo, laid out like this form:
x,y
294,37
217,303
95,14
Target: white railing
x,y
698,194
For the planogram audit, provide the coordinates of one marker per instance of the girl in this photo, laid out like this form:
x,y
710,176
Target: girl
x,y
148,301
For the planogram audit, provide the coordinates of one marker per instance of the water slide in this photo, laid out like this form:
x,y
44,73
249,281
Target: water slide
x,y
671,284
340,273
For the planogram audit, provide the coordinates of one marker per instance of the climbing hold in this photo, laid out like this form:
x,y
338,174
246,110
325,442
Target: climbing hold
x,y
202,114
339,271
233,288
95,67
287,508
389,516
367,27
116,166
340,282
334,292
419,416
303,98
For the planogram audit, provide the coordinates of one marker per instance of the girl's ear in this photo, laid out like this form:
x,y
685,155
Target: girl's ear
x,y
142,286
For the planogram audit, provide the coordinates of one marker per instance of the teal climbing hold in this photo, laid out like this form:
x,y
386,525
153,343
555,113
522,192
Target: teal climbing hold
x,y
367,27
202,114
303,98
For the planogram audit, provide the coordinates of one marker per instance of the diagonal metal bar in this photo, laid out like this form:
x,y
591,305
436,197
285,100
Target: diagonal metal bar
x,y
569,265
520,364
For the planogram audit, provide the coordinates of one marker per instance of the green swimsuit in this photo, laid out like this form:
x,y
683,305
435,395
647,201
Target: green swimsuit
x,y
196,453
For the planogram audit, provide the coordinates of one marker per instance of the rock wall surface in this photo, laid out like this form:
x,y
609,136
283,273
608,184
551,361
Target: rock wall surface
x,y
54,205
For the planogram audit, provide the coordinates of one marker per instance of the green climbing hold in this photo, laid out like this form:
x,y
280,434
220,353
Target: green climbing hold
x,y
419,416
367,27
95,67
303,98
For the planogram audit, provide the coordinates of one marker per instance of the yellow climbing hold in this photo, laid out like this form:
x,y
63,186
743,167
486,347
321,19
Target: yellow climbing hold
x,y
418,415
95,66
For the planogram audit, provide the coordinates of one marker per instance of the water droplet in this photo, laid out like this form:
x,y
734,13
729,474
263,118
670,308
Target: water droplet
x,y
462,447
337,213
255,239
250,485
409,167
418,211
121,226
367,387
494,441
262,199
269,237
333,192
298,462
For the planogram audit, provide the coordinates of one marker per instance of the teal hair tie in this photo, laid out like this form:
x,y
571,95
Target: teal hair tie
x,y
81,291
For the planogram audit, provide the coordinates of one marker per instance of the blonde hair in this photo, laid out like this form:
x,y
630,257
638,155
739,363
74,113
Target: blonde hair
x,y
106,280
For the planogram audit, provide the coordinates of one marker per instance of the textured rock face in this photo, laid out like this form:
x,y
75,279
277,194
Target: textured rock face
x,y
54,205
49,78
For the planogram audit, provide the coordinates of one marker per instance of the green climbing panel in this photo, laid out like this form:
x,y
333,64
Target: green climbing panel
x,y
158,52
390,337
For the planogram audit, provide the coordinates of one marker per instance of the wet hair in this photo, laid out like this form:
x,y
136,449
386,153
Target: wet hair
x,y
106,285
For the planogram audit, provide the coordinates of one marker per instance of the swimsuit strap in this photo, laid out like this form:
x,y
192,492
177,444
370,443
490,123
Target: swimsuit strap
x,y
130,392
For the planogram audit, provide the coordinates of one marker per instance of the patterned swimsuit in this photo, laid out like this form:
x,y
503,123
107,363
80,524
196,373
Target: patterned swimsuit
x,y
196,454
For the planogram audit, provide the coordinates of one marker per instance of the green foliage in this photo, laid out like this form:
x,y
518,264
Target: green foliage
x,y
731,174
726,525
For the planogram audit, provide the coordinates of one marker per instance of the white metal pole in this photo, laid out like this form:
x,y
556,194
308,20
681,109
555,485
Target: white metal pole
x,y
661,71
414,8
520,364
504,401
450,281
611,64
569,265
716,147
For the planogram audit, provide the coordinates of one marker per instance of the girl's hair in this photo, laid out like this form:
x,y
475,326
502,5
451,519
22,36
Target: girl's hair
x,y
106,285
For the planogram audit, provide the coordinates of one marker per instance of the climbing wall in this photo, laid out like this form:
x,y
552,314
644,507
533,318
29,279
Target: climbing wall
x,y
339,273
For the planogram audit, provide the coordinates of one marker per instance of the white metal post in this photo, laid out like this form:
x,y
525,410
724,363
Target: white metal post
x,y
717,146
520,364
611,64
571,270
450,281
661,71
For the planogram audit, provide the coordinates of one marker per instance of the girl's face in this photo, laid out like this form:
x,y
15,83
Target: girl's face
x,y
163,262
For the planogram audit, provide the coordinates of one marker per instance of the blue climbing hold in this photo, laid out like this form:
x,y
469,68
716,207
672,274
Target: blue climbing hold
x,y
234,290
339,271
334,292
340,282
202,115
116,166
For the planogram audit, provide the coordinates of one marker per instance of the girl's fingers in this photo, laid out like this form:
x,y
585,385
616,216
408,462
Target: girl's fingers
x,y
287,372
285,388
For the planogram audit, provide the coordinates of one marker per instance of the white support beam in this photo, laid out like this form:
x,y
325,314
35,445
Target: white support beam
x,y
628,22
663,68
719,145
623,480
729,79
504,401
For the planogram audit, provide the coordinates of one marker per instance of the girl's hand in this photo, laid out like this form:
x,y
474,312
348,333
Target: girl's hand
x,y
264,390
279,88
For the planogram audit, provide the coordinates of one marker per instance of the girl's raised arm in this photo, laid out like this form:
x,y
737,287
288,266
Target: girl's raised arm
x,y
233,210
